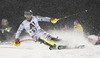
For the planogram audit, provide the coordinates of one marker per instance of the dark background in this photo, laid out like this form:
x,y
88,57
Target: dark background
x,y
13,10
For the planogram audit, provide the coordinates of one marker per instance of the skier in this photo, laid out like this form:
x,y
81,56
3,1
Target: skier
x,y
6,31
30,24
78,29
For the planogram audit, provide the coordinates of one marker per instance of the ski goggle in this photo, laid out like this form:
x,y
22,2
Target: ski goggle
x,y
27,14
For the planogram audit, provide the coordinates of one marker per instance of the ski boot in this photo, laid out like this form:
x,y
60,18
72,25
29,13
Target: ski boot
x,y
52,47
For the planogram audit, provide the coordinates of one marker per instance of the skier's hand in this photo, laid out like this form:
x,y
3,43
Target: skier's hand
x,y
54,20
6,29
17,42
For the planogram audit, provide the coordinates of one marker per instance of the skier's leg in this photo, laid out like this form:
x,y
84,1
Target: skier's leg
x,y
43,34
45,38
48,37
50,44
46,42
41,38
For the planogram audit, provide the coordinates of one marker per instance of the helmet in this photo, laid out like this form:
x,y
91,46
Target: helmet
x,y
28,13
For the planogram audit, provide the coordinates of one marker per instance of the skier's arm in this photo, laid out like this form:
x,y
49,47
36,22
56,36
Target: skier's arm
x,y
21,27
47,19
39,18
17,40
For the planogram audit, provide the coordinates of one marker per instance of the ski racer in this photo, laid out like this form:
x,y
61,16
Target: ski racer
x,y
6,32
30,24
78,29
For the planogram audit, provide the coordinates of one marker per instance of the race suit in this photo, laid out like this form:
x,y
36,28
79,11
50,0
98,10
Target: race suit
x,y
33,28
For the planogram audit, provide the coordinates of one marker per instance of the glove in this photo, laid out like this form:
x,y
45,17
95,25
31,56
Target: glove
x,y
17,42
6,29
54,20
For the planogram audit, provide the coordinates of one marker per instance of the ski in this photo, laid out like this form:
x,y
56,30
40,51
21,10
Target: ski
x,y
66,47
61,47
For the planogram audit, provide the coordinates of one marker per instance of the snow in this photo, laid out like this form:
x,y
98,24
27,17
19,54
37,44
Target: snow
x,y
36,50
94,37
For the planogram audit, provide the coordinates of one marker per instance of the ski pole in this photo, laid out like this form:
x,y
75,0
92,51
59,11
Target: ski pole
x,y
74,14
27,40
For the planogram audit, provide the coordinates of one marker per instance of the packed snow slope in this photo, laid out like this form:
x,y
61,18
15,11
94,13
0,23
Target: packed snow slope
x,y
31,49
